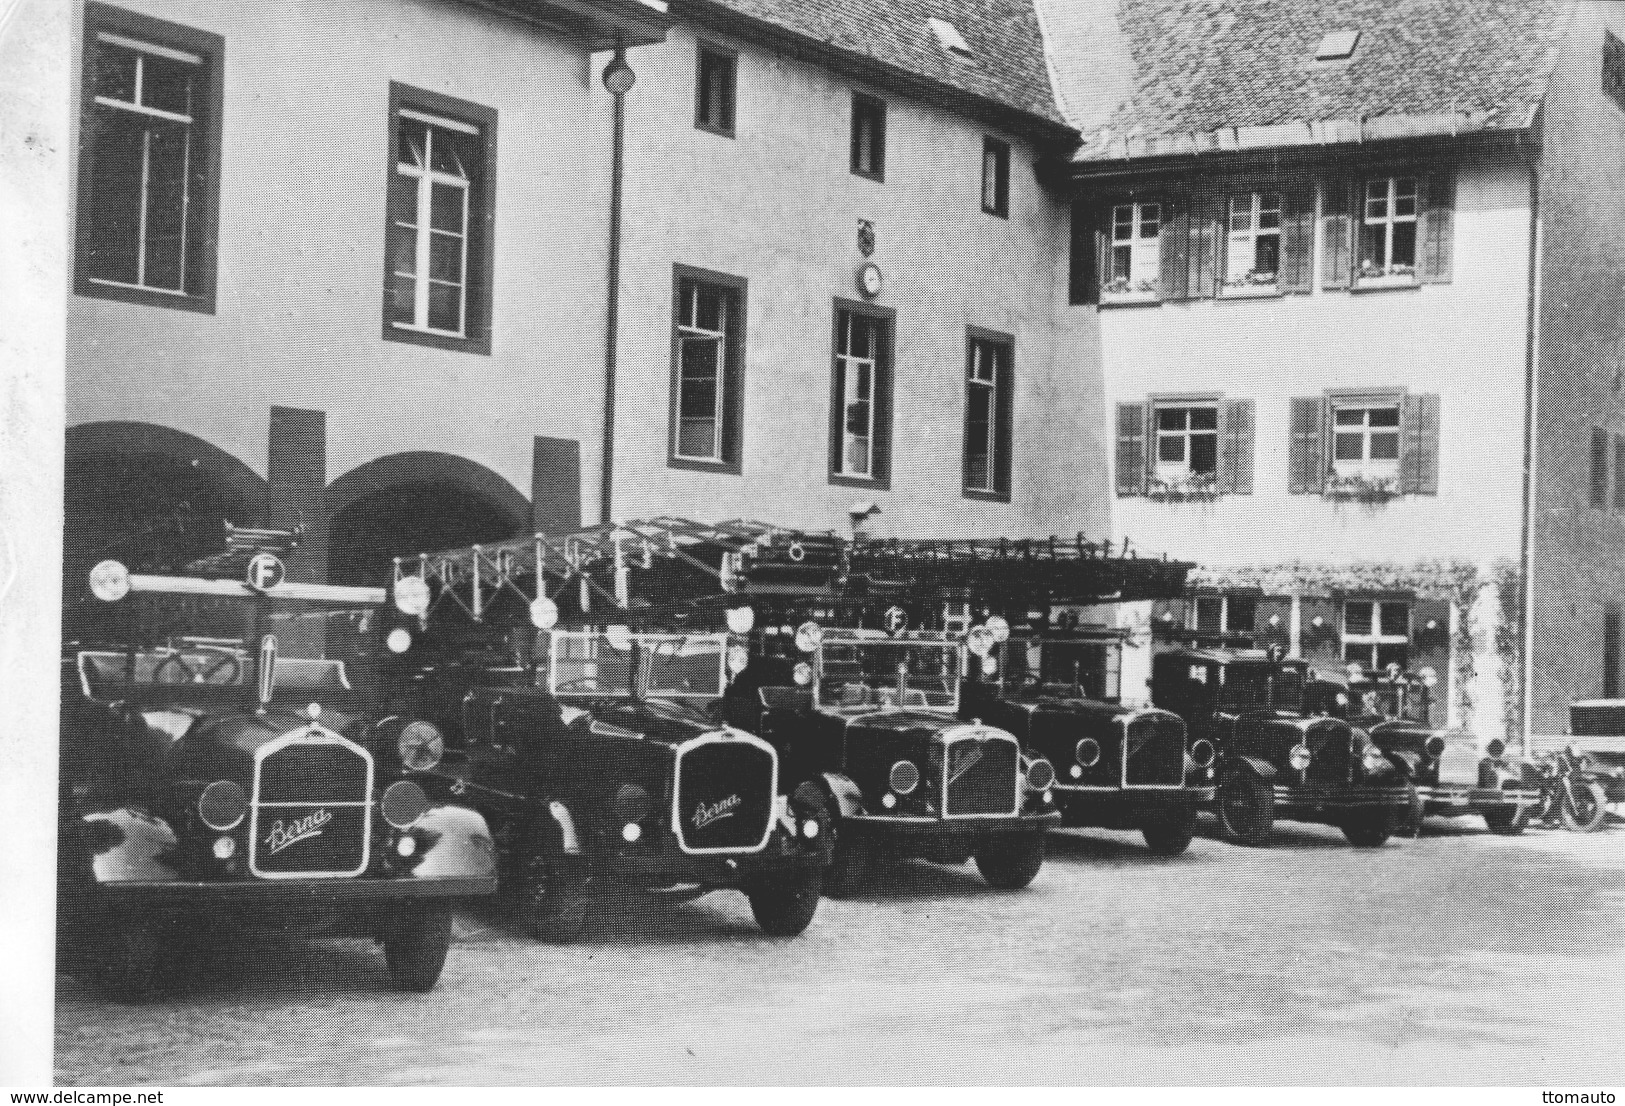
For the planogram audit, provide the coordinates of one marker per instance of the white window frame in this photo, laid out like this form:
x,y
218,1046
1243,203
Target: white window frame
x,y
977,378
1365,467
1246,229
1390,273
136,108
1180,471
426,177
852,395
1376,637
1134,260
691,331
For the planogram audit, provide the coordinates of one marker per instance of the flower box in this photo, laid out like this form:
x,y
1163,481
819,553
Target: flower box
x,y
1365,489
1197,487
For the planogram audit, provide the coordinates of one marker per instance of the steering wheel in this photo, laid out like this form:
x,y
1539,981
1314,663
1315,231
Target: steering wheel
x,y
228,663
159,673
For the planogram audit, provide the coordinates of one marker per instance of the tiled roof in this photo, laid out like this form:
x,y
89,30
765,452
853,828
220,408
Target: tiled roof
x,y
1005,64
1152,77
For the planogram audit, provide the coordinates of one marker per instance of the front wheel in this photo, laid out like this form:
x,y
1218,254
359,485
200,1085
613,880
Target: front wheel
x,y
1171,833
1369,829
785,906
1508,821
1246,807
1011,862
127,964
849,859
552,903
1585,808
415,947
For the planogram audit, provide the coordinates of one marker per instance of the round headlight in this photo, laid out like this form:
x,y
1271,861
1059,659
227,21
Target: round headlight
x,y
403,804
1434,747
1429,676
222,805
990,666
1299,757
225,848
809,636
1373,759
741,619
1356,671
980,641
1393,670
399,640
1202,752
1000,629
544,613
1495,747
1342,699
905,777
631,832
1088,752
632,803
420,746
802,673
110,581
738,658
1040,774
618,637
412,595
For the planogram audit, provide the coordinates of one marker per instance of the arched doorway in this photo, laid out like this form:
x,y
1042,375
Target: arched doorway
x,y
414,503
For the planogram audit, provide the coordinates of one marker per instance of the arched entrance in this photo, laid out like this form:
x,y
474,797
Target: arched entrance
x,y
415,503
150,496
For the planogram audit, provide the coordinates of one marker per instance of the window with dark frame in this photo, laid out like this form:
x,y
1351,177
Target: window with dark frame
x,y
707,387
149,163
438,258
1234,614
861,390
868,136
1599,469
1376,633
996,177
988,387
714,88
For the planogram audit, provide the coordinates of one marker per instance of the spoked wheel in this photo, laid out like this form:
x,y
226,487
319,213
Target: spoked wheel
x,y
1010,862
1171,834
1586,811
1246,807
785,905
415,947
849,859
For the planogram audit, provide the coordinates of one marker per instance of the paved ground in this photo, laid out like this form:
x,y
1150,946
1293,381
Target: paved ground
x,y
1459,958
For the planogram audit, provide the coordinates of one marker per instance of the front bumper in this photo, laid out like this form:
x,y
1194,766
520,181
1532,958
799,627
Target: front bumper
x,y
662,867
918,826
290,896
1460,799
1335,798
1130,809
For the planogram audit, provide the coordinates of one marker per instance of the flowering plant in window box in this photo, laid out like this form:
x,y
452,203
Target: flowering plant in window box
x,y
1396,273
1366,489
1255,282
1123,288
1192,487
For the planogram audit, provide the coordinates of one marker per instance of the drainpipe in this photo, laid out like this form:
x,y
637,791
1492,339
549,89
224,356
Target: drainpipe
x,y
618,79
1526,552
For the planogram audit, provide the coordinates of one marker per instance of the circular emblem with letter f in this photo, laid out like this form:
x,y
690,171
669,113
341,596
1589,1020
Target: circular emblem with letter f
x,y
265,571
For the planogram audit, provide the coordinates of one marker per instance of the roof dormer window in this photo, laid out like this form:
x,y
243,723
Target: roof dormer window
x,y
1337,45
948,35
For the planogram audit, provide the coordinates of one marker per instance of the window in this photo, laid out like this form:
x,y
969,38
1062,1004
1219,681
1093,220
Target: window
x,y
714,90
1187,443
1365,440
1135,262
1599,469
438,262
987,415
860,424
1253,254
1234,614
149,163
1376,633
707,385
868,137
996,177
1388,230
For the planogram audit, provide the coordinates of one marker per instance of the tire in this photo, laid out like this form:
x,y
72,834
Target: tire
x,y
1589,810
849,859
551,903
1246,807
126,962
1369,831
415,947
1409,824
1171,834
1011,862
1508,821
785,906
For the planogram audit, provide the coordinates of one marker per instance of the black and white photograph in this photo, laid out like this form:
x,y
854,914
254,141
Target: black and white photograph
x,y
808,543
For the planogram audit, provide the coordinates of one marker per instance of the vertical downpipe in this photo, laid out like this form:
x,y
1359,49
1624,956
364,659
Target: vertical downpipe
x,y
1526,554
618,79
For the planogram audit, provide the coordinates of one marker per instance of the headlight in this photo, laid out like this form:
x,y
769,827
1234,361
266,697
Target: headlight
x,y
412,595
1495,747
1040,774
905,777
632,803
420,746
1202,752
1088,752
809,636
1299,757
222,805
802,673
738,658
1428,676
403,804
110,581
990,665
1373,759
1434,747
544,613
741,619
980,641
399,640
999,627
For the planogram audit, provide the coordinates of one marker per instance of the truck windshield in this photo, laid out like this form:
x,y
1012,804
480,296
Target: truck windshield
x,y
885,672
1094,665
1261,687
613,663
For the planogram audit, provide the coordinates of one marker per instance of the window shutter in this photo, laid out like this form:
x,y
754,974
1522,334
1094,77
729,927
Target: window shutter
x,y
1619,468
1088,254
1236,457
1131,428
1175,241
1298,240
1337,235
1305,463
1419,460
1204,246
1438,215
884,384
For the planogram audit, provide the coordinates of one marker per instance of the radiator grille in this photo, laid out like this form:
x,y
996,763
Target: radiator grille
x,y
724,795
311,812
981,777
1155,753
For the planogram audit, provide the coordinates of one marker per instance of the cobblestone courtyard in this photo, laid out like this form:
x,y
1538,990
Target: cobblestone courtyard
x,y
1458,958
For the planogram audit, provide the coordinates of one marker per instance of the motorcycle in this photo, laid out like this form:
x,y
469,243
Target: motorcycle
x,y
1572,792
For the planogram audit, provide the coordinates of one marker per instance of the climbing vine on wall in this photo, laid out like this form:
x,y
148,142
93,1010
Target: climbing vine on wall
x,y
1508,646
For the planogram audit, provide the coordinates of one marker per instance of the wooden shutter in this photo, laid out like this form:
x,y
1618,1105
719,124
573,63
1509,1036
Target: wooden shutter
x,y
1088,253
1419,457
1174,240
880,463
1298,239
1305,465
1131,451
1436,235
1236,450
1619,468
1599,468
1337,235
1205,236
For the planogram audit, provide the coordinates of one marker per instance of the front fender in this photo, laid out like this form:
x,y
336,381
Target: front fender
x,y
127,845
1405,762
1263,769
459,844
844,795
